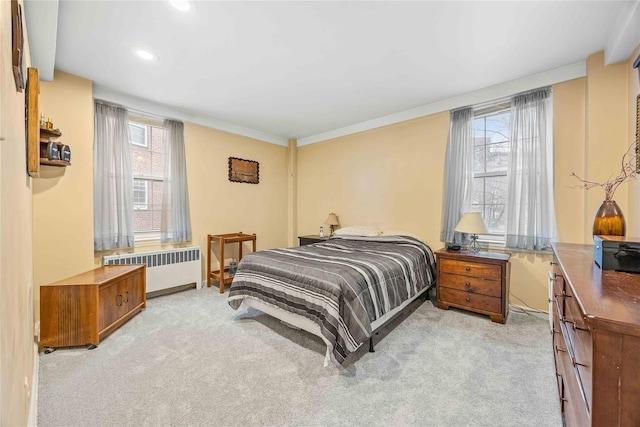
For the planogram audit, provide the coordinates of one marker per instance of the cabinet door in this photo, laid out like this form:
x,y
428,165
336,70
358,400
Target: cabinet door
x,y
111,304
132,289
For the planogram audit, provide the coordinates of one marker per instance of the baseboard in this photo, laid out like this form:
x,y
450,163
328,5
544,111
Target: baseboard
x,y
171,290
33,406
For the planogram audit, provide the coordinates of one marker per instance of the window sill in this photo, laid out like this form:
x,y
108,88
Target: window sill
x,y
499,246
147,239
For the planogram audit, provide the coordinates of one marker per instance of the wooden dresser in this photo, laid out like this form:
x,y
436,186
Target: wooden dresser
x,y
476,282
596,339
84,309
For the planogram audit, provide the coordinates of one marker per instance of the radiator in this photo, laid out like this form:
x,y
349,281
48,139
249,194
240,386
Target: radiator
x,y
166,269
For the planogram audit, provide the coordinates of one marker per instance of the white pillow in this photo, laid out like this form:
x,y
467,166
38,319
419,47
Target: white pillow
x,y
402,233
358,230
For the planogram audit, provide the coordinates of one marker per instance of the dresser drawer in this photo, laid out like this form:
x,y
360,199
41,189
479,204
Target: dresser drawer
x,y
574,405
471,300
469,268
471,284
578,333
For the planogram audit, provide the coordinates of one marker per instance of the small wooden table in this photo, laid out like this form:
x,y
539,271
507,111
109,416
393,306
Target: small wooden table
x,y
222,274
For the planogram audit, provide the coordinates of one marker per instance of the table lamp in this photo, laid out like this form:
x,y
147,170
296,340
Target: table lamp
x,y
332,221
472,223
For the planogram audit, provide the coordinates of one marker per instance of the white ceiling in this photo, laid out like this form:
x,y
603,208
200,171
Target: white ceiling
x,y
298,69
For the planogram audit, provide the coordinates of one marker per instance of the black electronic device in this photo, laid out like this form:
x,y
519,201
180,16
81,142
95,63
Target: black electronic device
x,y
52,151
65,153
453,247
617,253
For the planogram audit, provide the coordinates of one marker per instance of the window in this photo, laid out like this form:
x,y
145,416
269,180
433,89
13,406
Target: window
x,y
140,197
147,164
138,134
511,181
490,166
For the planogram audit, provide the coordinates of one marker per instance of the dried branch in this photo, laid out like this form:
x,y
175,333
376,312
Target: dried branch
x,y
627,172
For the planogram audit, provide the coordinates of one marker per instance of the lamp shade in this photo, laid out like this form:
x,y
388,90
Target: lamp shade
x,y
472,223
332,220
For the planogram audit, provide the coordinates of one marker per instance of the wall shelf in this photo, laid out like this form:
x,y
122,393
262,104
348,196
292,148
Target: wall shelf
x,y
57,163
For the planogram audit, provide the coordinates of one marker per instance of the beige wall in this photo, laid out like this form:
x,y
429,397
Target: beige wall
x,y
63,198
606,131
633,226
17,349
392,176
389,177
220,206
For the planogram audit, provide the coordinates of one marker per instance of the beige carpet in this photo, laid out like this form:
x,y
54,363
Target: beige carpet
x,y
189,359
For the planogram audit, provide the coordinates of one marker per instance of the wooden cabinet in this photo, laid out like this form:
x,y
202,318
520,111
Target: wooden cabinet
x,y
84,309
596,339
221,275
476,282
309,240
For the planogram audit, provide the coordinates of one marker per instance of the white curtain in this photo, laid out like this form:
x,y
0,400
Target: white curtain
x,y
458,175
175,223
531,223
112,179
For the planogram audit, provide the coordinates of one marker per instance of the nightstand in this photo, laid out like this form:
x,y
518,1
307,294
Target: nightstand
x,y
308,240
476,282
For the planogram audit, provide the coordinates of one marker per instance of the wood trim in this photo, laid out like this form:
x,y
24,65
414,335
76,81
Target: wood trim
x,y
33,123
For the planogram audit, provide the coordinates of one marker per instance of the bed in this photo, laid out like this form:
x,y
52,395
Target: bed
x,y
341,290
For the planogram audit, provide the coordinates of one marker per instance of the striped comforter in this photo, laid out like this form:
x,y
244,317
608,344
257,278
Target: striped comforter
x,y
342,284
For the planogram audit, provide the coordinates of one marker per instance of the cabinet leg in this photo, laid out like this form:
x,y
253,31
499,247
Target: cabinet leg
x,y
48,350
443,305
90,346
498,318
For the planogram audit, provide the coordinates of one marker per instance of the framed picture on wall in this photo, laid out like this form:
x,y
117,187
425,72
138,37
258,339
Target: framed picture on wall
x,y
241,170
17,45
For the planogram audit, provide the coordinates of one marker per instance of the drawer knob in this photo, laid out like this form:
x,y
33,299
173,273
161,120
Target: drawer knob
x,y
467,299
467,284
467,269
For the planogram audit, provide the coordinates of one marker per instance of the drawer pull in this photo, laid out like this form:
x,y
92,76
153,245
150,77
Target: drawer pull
x,y
467,269
467,299
556,275
553,263
467,284
119,302
578,328
573,360
559,349
127,297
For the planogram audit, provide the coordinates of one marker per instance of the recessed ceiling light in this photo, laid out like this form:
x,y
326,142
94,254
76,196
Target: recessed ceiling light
x,y
145,54
181,5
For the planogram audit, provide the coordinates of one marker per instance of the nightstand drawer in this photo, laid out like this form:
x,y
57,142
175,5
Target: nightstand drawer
x,y
471,284
469,268
468,299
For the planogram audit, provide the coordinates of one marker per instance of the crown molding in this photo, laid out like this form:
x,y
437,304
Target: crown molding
x,y
568,72
156,108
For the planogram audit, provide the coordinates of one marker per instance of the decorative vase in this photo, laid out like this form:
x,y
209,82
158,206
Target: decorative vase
x,y
609,220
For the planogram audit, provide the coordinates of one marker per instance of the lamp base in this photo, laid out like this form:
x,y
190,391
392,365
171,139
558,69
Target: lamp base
x,y
474,246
